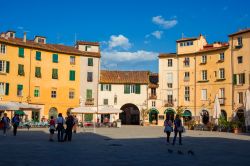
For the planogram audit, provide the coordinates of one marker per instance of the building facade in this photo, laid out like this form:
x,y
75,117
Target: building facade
x,y
48,75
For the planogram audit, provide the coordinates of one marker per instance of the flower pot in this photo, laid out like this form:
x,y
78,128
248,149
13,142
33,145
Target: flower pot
x,y
236,130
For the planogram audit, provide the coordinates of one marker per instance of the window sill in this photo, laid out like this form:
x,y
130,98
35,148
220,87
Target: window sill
x,y
3,73
220,79
203,81
238,46
203,63
220,61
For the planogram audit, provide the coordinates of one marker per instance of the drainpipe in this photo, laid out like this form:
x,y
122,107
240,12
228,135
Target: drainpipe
x,y
28,97
195,85
232,71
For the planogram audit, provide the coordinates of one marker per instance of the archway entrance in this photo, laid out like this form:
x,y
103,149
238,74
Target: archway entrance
x,y
241,116
153,116
170,112
204,116
53,112
187,116
130,114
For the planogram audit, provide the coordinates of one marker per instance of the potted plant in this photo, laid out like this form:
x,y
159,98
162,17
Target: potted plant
x,y
235,127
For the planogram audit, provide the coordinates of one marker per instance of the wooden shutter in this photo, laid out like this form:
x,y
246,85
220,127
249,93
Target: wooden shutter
x,y
109,87
7,66
137,88
38,55
101,87
90,61
89,94
55,58
21,52
71,75
7,88
235,79
243,78
126,89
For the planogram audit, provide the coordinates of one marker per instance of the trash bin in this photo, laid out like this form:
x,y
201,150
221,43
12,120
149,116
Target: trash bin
x,y
119,123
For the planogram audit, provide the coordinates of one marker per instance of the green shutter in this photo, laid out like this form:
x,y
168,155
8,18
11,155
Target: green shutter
x,y
55,58
89,94
71,75
7,88
137,88
235,79
90,61
101,87
109,87
20,87
21,52
7,66
20,70
126,89
38,55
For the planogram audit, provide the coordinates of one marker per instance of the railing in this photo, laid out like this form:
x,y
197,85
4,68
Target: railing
x,y
152,96
89,101
169,103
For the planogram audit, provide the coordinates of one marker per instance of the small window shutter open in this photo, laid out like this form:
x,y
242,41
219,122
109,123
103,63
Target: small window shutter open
x,y
243,78
235,79
6,88
90,61
101,87
137,88
109,87
7,66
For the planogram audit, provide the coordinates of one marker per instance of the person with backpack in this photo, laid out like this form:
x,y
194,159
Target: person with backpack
x,y
6,123
15,123
178,129
60,127
69,126
168,127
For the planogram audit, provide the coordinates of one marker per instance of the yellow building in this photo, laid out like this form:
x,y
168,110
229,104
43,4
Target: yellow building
x,y
240,51
43,74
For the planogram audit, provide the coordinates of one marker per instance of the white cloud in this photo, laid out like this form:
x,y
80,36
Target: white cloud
x,y
159,20
119,41
157,34
121,56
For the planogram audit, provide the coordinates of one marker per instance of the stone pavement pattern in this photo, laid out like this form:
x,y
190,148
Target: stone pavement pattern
x,y
129,145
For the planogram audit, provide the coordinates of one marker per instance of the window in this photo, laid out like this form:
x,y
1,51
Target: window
x,y
240,97
241,78
71,94
38,55
222,73
19,90
132,89
115,99
55,58
54,73
204,75
4,66
20,70
240,59
90,61
21,52
186,76
187,93
170,97
170,62
153,103
89,94
4,88
105,102
222,56
72,60
239,41
87,48
169,80
2,48
222,93
72,75
153,91
105,87
90,76
38,72
204,94
187,43
53,93
186,62
37,92
204,59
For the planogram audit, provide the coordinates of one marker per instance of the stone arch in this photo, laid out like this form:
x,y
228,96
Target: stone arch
x,y
130,114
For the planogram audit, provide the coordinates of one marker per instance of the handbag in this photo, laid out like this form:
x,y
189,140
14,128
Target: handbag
x,y
180,129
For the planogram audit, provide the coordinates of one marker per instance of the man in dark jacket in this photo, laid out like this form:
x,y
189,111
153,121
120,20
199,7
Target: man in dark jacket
x,y
6,122
15,122
69,123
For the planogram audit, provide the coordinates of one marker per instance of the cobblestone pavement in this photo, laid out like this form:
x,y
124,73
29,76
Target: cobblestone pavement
x,y
129,145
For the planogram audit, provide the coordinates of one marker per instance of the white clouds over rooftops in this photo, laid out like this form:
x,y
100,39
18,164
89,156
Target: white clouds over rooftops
x,y
157,34
167,24
119,41
138,56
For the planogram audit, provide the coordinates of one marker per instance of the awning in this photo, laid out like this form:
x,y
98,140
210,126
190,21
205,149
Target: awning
x,y
153,110
187,113
19,112
84,110
109,110
17,106
169,110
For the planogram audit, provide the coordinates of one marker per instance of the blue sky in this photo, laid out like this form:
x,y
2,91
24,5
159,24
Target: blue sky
x,y
132,32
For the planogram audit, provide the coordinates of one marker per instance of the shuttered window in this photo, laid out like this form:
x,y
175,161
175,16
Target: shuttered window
x,y
89,94
126,89
21,52
72,75
90,61
38,72
54,73
38,55
55,58
20,70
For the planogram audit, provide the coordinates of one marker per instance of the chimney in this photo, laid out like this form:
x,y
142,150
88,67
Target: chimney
x,y
24,37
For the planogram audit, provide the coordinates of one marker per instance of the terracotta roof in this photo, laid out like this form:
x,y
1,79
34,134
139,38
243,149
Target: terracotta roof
x,y
240,32
124,77
187,39
210,47
165,55
87,43
57,48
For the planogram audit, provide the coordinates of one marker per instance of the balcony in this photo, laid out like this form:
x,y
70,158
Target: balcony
x,y
239,46
152,96
89,101
169,103
222,101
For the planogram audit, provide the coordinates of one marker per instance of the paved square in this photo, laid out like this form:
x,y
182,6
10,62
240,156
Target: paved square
x,y
129,145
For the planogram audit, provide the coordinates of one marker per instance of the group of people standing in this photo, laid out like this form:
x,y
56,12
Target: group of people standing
x,y
57,124
173,126
6,123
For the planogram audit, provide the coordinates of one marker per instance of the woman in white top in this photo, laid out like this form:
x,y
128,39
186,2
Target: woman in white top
x,y
60,129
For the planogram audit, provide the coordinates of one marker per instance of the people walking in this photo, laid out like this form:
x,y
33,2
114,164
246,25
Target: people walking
x,y
168,127
52,128
6,122
178,129
76,123
60,128
69,126
15,123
